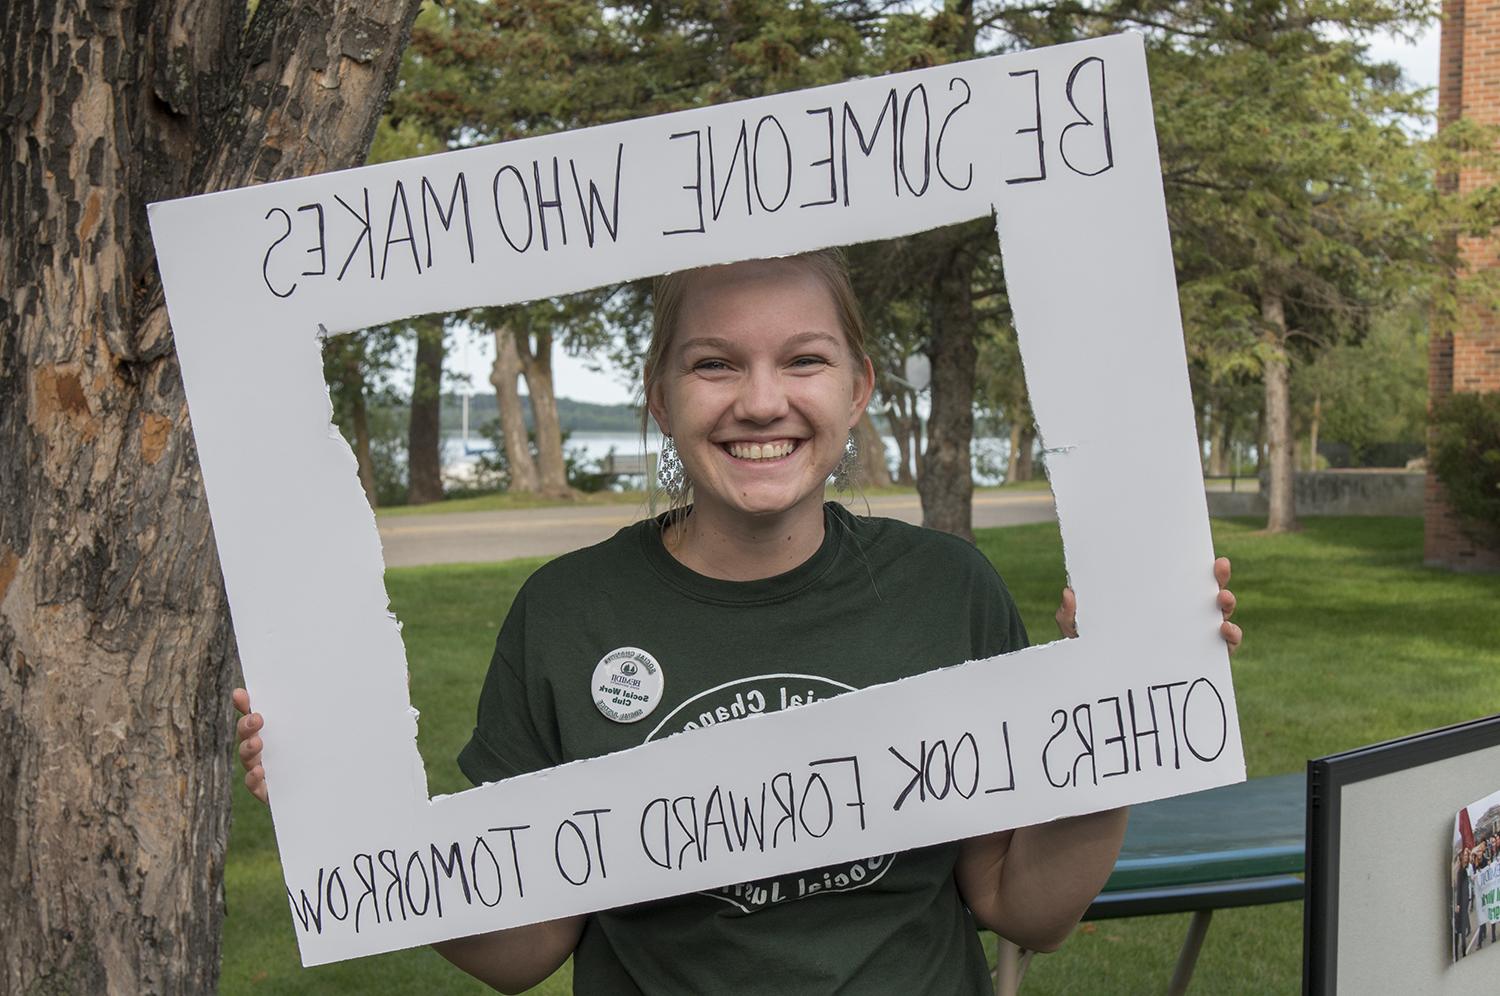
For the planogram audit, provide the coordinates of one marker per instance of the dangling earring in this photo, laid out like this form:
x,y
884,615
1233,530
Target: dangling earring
x,y
847,465
669,470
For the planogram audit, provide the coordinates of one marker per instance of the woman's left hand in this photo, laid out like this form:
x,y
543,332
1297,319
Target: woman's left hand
x,y
1232,633
1067,611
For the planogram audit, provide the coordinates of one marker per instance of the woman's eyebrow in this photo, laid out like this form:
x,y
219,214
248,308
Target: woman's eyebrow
x,y
718,343
803,338
705,342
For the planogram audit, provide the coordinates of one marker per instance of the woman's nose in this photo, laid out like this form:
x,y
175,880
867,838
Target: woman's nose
x,y
762,396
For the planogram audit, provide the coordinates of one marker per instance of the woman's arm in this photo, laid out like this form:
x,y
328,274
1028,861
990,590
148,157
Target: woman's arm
x,y
1033,884
508,960
514,960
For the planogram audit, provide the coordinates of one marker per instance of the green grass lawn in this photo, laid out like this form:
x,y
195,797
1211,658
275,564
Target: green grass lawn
x,y
1349,641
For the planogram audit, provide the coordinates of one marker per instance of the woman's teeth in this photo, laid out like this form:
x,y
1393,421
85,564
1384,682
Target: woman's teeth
x,y
760,451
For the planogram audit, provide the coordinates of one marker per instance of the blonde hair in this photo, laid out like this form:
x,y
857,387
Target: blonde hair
x,y
668,292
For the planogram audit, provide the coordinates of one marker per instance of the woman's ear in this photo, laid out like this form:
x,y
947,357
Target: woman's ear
x,y
658,409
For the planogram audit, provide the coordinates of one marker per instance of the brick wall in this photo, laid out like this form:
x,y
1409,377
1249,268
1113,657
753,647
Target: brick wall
x,y
1465,357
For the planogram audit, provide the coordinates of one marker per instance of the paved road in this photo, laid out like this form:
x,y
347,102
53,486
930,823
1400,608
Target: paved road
x,y
481,537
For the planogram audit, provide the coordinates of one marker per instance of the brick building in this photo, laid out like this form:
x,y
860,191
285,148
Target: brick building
x,y
1467,356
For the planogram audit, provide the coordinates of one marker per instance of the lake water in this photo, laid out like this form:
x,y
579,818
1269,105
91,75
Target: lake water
x,y
989,452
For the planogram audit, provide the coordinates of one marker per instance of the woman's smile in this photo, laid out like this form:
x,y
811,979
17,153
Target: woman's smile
x,y
761,452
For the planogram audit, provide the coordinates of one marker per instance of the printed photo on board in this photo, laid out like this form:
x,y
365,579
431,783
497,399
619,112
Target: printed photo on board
x,y
1474,876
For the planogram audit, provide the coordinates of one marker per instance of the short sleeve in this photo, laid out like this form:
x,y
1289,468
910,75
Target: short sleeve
x,y
998,628
513,721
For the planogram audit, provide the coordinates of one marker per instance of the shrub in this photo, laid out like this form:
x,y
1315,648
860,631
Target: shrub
x,y
1466,458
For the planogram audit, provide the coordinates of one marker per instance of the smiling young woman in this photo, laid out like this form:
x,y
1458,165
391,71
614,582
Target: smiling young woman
x,y
757,373
753,594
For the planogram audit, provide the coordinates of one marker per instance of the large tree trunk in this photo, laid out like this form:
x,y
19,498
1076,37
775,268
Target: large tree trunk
x,y
1282,514
507,369
873,470
116,655
946,484
536,366
424,461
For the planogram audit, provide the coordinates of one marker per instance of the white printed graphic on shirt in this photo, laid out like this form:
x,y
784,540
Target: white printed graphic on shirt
x,y
748,696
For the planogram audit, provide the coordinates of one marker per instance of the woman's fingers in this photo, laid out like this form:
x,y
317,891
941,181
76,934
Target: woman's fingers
x,y
1067,614
255,781
247,731
250,749
248,726
1232,635
1221,571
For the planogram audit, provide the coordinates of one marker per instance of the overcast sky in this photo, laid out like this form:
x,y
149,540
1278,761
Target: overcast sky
x,y
475,354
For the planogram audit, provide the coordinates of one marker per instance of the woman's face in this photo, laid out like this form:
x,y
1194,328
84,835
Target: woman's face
x,y
759,388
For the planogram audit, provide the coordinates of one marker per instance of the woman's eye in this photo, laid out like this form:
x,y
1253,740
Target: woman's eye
x,y
809,361
710,365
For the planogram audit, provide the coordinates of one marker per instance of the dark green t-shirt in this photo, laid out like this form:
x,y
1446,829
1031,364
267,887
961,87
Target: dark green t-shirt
x,y
880,600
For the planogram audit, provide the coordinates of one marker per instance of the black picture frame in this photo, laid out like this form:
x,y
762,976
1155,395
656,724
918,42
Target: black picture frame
x,y
1326,779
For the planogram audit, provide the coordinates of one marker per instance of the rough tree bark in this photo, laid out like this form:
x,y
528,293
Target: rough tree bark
x,y
1282,513
116,655
424,441
873,470
946,483
503,376
536,367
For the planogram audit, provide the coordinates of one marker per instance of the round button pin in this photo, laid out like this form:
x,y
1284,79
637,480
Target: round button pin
x,y
627,684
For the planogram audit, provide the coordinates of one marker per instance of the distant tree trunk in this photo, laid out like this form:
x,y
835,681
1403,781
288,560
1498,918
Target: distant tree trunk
x,y
1312,432
536,366
1020,463
523,477
1282,514
116,653
424,462
359,416
946,484
1201,423
1026,454
902,433
1261,464
1218,452
873,470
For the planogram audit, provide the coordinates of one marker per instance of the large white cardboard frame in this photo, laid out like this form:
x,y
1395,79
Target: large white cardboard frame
x,y
1057,143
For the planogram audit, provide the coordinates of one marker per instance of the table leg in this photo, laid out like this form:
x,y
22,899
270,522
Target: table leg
x,y
1187,958
1010,967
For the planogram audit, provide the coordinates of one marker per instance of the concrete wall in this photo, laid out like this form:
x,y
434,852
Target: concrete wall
x,y
1335,492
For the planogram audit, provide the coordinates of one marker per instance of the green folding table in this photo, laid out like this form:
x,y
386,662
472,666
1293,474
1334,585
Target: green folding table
x,y
1240,845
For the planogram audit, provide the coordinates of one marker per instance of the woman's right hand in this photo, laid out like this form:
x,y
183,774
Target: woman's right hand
x,y
248,731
